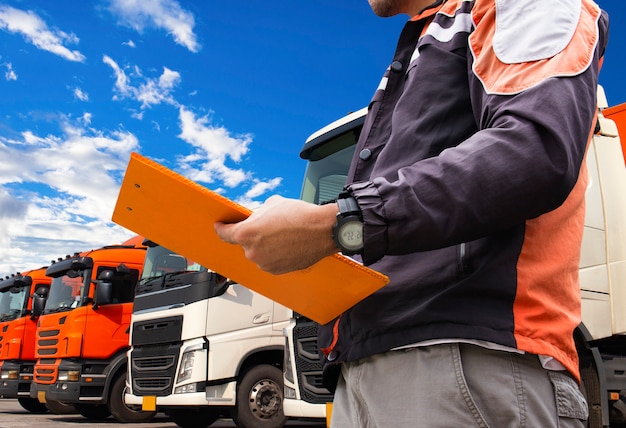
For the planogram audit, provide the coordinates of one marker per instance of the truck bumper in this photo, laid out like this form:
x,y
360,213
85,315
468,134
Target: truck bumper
x,y
39,391
215,395
9,388
16,379
302,409
89,382
178,400
65,392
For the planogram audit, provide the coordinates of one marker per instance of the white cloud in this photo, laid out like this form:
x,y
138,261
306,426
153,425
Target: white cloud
x,y
121,81
85,119
81,95
215,148
9,74
12,211
151,91
259,188
129,43
82,170
156,91
160,14
36,31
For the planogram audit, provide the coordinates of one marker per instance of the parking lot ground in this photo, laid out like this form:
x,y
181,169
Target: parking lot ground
x,y
12,415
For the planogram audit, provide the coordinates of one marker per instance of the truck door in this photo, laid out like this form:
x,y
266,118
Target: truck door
x,y
112,320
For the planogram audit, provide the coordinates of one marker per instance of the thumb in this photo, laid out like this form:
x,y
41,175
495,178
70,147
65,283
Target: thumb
x,y
225,231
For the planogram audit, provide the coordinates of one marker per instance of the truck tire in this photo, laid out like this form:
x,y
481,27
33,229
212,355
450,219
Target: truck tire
x,y
260,398
194,417
118,408
59,408
94,412
32,405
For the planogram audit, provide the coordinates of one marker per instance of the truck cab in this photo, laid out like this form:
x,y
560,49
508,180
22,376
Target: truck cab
x,y
600,338
204,347
83,331
18,326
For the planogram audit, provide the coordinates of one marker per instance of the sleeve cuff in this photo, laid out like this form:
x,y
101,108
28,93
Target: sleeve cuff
x,y
375,242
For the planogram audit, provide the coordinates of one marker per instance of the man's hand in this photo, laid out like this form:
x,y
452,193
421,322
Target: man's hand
x,y
284,235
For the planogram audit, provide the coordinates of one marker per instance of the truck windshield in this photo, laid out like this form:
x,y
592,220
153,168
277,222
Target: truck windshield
x,y
66,292
160,265
12,302
325,178
329,153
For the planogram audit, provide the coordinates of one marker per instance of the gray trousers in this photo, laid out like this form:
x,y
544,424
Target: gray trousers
x,y
455,385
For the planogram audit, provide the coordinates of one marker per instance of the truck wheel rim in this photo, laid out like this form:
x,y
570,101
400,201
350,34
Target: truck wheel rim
x,y
265,399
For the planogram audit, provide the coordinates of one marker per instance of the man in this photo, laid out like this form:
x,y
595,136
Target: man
x,y
469,180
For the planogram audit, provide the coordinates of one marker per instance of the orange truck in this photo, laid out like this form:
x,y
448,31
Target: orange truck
x,y
18,326
83,331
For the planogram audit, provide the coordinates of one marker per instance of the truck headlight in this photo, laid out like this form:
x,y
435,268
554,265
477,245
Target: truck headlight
x,y
69,376
287,372
9,374
186,366
185,389
289,392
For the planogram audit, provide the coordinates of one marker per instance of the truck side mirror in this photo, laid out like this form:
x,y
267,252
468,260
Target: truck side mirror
x,y
39,301
219,284
104,289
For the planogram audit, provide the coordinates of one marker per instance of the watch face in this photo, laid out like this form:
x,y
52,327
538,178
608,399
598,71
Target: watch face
x,y
350,235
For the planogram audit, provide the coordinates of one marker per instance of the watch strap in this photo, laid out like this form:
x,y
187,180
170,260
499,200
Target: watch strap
x,y
348,205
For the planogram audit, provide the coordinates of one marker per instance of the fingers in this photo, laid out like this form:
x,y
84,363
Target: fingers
x,y
225,232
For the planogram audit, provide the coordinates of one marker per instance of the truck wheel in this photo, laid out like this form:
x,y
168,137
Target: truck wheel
x,y
194,417
94,412
59,408
260,398
590,387
120,411
32,405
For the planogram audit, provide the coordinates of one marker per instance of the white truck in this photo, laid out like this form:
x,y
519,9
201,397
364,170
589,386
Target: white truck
x,y
204,347
600,338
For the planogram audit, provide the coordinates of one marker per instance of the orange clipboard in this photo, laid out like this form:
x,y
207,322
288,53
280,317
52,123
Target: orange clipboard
x,y
179,214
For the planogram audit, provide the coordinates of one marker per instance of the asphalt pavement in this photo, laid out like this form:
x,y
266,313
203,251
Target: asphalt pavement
x,y
12,415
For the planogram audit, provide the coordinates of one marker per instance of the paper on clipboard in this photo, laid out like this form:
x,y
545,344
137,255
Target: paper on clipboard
x,y
179,214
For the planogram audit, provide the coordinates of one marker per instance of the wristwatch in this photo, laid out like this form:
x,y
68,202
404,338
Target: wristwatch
x,y
348,231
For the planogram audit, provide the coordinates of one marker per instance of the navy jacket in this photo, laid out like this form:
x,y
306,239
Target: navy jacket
x,y
473,190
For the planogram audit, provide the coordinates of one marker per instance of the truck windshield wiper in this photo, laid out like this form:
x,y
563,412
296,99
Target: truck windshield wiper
x,y
144,281
146,284
59,309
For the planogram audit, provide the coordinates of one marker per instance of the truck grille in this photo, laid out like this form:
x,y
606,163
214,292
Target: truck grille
x,y
45,374
46,369
153,368
308,364
156,384
47,341
154,363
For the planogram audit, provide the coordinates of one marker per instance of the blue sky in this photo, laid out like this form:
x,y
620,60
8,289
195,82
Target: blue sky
x,y
223,92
